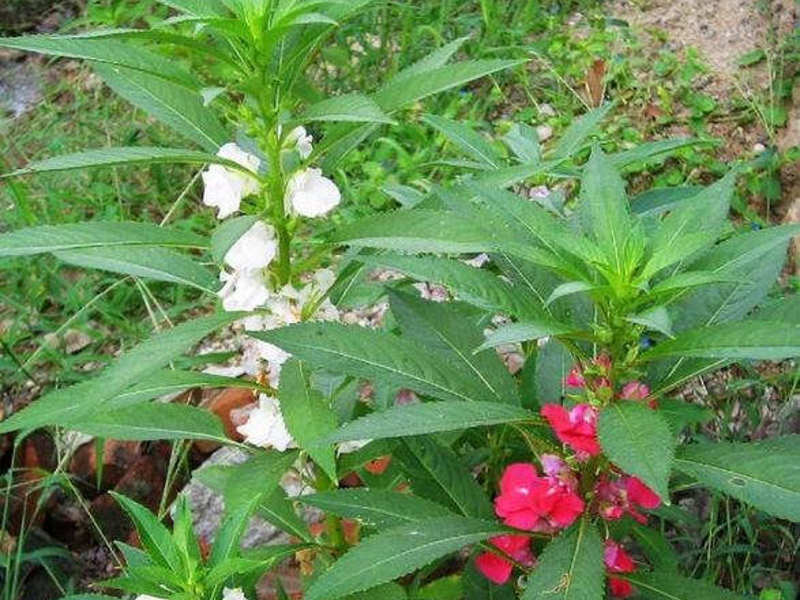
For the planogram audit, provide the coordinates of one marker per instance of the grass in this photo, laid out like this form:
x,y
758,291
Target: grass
x,y
657,91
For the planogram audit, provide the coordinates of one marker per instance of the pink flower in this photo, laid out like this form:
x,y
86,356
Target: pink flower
x,y
603,362
558,471
640,494
498,569
618,561
575,378
576,428
635,390
534,503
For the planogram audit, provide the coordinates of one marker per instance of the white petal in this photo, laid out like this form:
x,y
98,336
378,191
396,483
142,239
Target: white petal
x,y
243,290
352,446
221,190
312,195
255,249
265,426
233,594
301,140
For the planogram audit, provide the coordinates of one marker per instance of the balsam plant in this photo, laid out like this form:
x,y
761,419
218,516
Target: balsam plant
x,y
547,474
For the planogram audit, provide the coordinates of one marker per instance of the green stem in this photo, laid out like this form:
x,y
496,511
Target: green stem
x,y
277,205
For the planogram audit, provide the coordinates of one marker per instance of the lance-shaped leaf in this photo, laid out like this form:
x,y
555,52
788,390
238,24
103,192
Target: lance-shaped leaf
x,y
73,236
154,536
445,328
381,508
308,416
651,150
104,51
762,340
347,107
570,568
160,264
765,474
429,417
121,156
175,106
638,440
467,139
579,131
151,421
376,355
386,556
524,331
72,403
666,585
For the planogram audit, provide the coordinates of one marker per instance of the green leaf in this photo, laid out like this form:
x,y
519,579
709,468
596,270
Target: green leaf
x,y
347,107
655,547
691,227
434,60
169,381
278,508
765,474
638,440
386,591
153,535
377,355
655,319
443,327
570,568
73,236
121,156
436,473
151,421
105,51
73,403
429,417
413,86
650,150
475,286
198,8
760,340
246,485
666,585
569,288
524,331
579,131
308,416
175,106
524,143
465,138
656,201
160,264
386,556
380,508
604,209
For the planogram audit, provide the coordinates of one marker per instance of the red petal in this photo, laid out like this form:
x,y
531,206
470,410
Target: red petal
x,y
493,567
640,494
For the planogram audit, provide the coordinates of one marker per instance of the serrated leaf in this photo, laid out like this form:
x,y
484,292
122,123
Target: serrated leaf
x,y
278,508
579,131
74,236
570,568
666,585
169,381
654,319
154,536
655,546
160,264
638,440
651,150
175,106
347,107
524,331
524,143
151,421
378,355
396,552
765,474
410,87
381,508
121,156
429,417
656,201
436,473
434,60
72,403
679,414
104,51
760,340
442,326
465,138
308,416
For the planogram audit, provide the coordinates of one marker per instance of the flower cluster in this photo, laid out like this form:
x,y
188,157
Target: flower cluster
x,y
618,561
615,498
245,284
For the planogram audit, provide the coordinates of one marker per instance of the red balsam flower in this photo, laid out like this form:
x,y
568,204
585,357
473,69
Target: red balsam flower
x,y
498,569
533,503
577,427
624,495
618,561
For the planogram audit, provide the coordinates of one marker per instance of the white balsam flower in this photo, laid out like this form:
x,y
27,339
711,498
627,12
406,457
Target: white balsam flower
x,y
243,290
301,140
265,426
224,187
255,249
233,594
312,195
